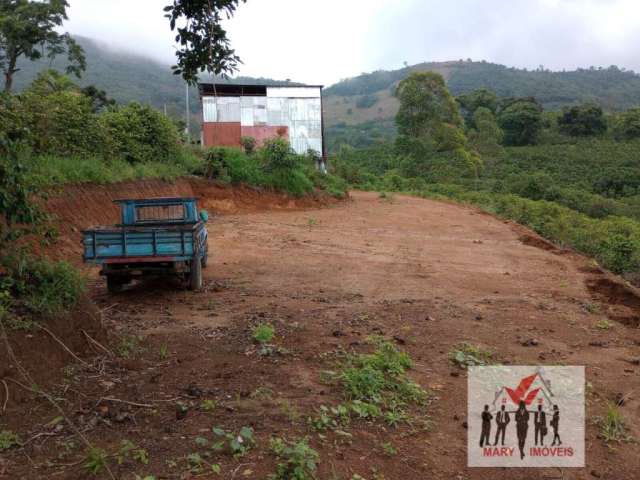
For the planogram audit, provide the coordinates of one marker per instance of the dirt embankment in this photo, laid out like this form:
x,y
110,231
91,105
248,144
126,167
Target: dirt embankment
x,y
423,274
80,206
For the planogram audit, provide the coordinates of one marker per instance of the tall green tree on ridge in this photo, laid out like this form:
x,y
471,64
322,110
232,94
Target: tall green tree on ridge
x,y
430,126
425,104
29,29
521,120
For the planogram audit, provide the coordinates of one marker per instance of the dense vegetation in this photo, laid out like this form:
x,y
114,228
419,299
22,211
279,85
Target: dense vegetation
x,y
572,175
611,87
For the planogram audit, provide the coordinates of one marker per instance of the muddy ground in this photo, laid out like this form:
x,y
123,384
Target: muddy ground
x,y
424,274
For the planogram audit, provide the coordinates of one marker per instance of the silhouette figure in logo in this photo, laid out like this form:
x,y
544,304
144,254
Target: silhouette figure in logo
x,y
540,424
522,425
555,424
502,419
486,426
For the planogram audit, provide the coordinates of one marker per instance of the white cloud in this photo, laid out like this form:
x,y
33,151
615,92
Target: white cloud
x,y
323,41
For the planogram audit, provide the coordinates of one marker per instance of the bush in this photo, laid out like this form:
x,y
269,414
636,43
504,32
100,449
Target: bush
x,y
138,133
39,285
582,120
277,155
249,144
627,126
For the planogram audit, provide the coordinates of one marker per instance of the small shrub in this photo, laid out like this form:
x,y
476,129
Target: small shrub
x,y
42,286
604,324
389,449
249,144
612,426
263,333
8,440
128,450
298,460
208,405
466,355
278,155
95,461
130,346
237,444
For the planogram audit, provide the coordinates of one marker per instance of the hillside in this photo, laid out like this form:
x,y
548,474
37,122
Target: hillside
x,y
365,98
370,96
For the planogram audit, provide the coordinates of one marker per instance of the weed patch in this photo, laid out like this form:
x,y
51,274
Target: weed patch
x,y
263,333
374,385
298,461
468,355
8,440
612,425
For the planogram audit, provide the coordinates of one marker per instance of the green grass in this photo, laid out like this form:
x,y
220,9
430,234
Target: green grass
x,y
263,333
49,170
612,426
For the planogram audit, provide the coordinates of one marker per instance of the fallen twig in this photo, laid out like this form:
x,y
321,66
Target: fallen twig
x,y
117,400
98,344
64,346
41,434
6,398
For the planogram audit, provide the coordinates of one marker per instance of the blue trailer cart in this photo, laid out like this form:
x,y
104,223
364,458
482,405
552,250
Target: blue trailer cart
x,y
156,236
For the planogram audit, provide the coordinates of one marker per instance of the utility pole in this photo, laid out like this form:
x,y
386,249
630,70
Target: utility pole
x,y
186,130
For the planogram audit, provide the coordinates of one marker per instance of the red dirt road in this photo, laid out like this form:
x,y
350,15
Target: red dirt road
x,y
426,274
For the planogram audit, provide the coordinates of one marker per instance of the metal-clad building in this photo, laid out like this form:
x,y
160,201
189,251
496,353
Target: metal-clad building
x,y
233,111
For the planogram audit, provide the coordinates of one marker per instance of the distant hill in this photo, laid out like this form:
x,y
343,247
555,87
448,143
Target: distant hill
x,y
369,96
364,100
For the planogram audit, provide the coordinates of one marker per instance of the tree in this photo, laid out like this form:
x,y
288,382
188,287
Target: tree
x,y
29,29
582,120
429,127
425,105
486,136
58,118
521,121
204,45
471,101
627,125
99,99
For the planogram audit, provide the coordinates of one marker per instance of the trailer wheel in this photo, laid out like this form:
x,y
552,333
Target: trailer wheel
x,y
205,258
114,284
195,278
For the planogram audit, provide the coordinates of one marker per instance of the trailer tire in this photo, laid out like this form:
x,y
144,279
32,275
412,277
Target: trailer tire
x,y
114,284
205,258
195,277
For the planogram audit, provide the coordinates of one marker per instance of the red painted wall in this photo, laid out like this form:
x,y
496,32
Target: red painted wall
x,y
222,134
227,134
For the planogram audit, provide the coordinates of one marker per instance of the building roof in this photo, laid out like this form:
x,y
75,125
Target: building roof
x,y
235,90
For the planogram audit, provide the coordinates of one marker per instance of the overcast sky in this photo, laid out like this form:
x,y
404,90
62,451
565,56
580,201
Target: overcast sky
x,y
322,41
